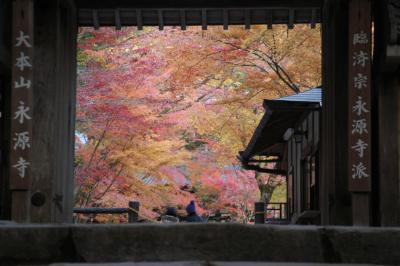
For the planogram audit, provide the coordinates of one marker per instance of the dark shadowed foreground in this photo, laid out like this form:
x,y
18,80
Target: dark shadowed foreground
x,y
44,244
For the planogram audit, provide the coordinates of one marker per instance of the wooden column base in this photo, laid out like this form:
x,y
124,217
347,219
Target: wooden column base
x,y
20,206
361,209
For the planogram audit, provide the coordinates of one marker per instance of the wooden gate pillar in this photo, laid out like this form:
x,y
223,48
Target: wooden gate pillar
x,y
334,195
359,109
54,110
20,138
48,196
5,86
386,154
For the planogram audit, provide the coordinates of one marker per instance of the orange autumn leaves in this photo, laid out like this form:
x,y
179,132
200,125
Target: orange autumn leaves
x,y
159,112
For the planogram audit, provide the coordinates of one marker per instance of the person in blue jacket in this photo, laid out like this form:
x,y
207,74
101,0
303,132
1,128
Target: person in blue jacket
x,y
192,216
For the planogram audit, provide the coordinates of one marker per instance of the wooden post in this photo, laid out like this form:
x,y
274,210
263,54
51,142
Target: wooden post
x,y
385,195
359,109
54,115
133,211
21,109
5,89
259,212
334,195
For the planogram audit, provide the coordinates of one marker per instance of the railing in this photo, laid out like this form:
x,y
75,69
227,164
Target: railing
x,y
276,211
132,211
270,213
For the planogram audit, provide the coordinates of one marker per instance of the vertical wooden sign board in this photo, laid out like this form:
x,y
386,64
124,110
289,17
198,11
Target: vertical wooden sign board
x,y
21,108
359,105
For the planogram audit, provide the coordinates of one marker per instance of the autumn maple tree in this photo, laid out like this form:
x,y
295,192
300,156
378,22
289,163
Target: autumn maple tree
x,y
161,115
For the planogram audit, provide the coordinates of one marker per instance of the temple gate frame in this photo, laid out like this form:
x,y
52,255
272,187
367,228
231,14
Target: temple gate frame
x,y
54,83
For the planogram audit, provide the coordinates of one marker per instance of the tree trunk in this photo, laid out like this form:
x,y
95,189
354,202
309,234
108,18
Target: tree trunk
x,y
266,185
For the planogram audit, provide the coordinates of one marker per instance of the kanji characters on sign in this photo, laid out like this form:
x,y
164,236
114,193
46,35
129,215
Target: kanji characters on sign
x,y
360,38
21,166
22,83
22,113
359,101
21,140
360,147
360,107
360,58
21,96
359,126
360,81
23,61
359,171
22,39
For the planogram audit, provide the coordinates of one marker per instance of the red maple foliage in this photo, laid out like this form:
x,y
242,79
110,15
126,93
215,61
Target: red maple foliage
x,y
161,116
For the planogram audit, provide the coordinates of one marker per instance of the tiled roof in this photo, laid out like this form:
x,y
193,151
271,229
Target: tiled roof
x,y
312,95
280,114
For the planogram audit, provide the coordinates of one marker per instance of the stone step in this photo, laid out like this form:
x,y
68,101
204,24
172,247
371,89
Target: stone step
x,y
207,263
46,244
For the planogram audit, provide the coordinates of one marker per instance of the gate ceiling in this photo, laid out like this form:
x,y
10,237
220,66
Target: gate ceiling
x,y
120,13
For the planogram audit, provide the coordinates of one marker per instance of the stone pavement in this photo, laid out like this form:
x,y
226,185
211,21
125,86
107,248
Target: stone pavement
x,y
46,244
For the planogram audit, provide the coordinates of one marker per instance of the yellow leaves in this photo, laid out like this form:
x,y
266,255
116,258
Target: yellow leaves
x,y
228,82
96,57
230,129
149,155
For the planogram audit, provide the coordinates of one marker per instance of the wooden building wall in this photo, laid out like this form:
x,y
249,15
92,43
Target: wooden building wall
x,y
298,153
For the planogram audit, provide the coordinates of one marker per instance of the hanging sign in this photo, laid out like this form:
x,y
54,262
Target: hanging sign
x,y
359,89
21,95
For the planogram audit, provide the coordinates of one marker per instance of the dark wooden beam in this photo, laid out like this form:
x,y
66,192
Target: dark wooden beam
x,y
195,3
198,16
225,18
313,18
265,161
247,19
95,18
291,105
139,21
182,14
98,210
269,19
204,19
117,20
264,170
291,19
160,20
